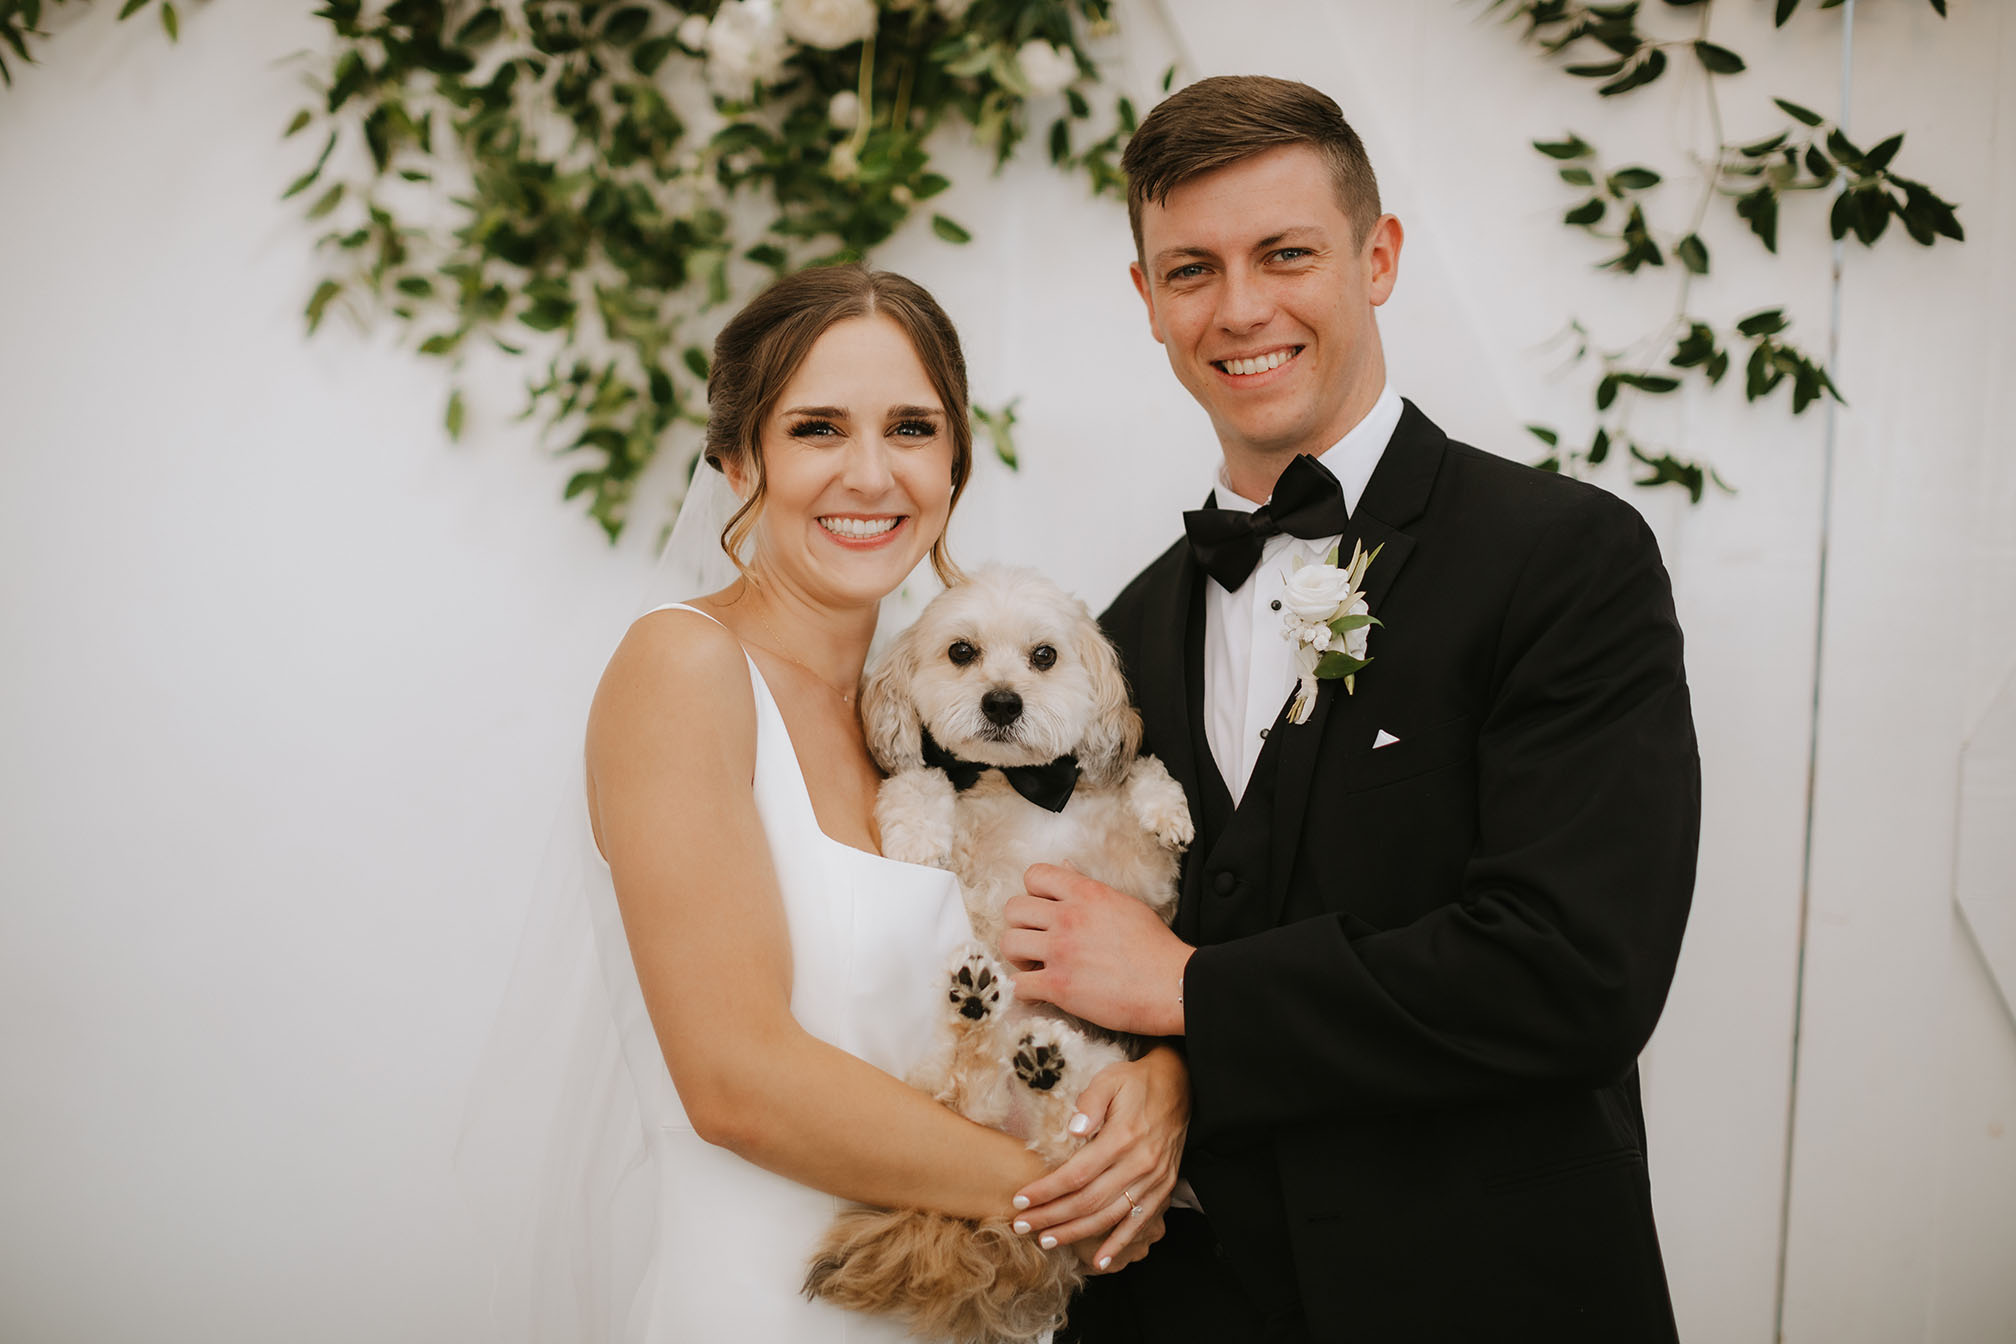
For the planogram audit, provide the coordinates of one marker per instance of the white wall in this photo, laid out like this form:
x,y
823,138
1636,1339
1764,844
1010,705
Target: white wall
x,y
1904,1175
290,680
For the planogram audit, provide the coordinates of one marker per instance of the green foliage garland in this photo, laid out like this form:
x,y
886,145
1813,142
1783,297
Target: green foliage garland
x,y
1605,44
577,182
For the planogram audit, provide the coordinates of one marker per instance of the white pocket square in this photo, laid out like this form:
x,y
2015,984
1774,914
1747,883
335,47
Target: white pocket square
x,y
1385,739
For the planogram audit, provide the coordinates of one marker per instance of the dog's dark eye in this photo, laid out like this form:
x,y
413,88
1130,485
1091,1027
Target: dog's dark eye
x,y
962,653
1042,657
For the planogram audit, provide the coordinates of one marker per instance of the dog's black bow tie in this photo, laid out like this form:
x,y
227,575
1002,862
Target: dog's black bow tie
x,y
1307,502
1047,785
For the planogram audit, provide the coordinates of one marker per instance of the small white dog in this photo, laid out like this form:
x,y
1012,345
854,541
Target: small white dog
x,y
1003,721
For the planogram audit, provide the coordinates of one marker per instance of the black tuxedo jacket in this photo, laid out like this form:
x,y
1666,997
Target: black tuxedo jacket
x,y
1425,970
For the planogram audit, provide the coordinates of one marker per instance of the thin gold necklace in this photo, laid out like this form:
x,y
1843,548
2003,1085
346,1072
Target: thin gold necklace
x,y
846,697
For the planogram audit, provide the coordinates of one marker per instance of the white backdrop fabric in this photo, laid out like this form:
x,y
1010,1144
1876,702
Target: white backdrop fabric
x,y
291,682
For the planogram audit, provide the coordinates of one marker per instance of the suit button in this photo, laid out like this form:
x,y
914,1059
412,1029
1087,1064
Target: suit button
x,y
1224,883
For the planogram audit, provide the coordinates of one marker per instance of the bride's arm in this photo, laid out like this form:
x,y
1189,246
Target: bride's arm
x,y
671,754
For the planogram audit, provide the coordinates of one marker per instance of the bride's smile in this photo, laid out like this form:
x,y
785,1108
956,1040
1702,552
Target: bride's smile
x,y
862,531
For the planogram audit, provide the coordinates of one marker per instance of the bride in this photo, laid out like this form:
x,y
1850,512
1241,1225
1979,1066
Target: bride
x,y
785,975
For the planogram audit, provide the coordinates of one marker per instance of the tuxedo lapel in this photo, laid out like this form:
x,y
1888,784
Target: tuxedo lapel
x,y
1169,687
1395,497
1162,682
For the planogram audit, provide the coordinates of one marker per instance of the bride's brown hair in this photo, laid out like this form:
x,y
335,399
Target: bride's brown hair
x,y
762,346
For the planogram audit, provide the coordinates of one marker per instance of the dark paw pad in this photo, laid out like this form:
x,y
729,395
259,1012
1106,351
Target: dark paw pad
x,y
976,990
1039,1064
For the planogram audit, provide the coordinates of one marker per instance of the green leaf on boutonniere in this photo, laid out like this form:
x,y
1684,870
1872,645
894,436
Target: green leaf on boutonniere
x,y
1345,624
1331,666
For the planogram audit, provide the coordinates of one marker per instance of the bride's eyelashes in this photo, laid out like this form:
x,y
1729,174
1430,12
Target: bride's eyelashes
x,y
813,429
914,424
913,428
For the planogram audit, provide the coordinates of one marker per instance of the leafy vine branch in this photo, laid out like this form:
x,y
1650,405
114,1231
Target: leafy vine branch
x,y
21,20
612,171
1605,43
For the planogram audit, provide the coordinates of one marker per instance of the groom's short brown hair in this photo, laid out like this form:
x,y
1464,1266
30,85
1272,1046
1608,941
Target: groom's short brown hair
x,y
1219,121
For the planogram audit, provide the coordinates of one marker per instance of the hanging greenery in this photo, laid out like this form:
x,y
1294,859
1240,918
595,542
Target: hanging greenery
x,y
1606,45
575,183
21,20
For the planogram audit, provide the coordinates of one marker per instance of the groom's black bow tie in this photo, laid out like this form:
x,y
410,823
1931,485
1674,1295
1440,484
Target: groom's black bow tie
x,y
1047,785
1307,502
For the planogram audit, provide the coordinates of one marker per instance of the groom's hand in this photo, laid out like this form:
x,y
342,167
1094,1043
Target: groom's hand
x,y
1095,953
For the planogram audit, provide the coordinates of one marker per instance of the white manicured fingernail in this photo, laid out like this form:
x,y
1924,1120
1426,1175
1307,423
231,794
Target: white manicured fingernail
x,y
1048,1242
1022,1202
1021,1227
1080,1123
1105,1260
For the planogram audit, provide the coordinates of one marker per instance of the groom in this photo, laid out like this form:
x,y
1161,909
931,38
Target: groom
x,y
1425,932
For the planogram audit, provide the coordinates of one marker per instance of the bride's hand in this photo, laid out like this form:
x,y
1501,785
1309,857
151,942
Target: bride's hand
x,y
1136,1115
1091,1248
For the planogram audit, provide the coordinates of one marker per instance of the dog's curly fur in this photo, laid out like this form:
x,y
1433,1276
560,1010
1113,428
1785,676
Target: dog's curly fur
x,y
1016,1067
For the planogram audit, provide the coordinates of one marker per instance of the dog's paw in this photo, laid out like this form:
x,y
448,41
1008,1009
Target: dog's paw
x,y
914,812
980,990
1156,801
1040,1058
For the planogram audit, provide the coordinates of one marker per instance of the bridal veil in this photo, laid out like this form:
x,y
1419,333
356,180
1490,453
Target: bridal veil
x,y
552,1156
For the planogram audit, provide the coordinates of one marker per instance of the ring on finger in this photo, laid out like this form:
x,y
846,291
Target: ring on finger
x,y
1133,1210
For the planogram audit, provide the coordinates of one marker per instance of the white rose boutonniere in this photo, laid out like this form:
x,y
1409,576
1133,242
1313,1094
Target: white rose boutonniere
x,y
1325,616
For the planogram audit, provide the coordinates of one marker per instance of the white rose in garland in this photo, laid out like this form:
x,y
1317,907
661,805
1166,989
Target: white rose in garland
x,y
844,110
1047,69
745,48
828,24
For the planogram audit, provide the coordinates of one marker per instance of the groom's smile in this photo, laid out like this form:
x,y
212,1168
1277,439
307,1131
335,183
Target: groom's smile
x,y
1246,369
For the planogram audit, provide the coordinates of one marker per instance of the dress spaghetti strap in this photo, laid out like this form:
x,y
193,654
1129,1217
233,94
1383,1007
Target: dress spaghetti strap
x,y
768,713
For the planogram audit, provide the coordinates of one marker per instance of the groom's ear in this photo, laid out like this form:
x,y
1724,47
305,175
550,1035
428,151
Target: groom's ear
x,y
1140,278
1382,258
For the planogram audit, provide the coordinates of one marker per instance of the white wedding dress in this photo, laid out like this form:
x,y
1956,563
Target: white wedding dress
x,y
870,941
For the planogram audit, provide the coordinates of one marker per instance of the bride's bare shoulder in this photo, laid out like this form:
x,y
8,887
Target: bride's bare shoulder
x,y
675,668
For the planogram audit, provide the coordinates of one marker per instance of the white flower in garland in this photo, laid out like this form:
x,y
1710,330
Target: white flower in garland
x,y
1045,68
692,32
1329,622
844,111
829,24
745,47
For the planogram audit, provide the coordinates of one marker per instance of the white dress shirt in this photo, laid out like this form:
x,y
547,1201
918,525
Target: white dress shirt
x,y
1248,667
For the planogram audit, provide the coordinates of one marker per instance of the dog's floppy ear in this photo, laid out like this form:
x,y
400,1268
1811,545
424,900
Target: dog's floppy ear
x,y
1114,738
888,712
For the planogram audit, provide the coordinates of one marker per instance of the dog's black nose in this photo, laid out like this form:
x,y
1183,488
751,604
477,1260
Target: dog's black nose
x,y
1001,707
